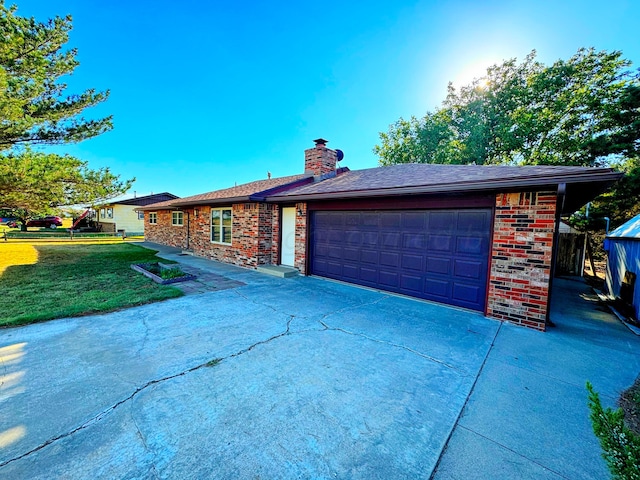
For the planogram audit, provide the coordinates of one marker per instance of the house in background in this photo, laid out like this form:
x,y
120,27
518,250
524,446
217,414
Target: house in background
x,y
478,237
121,215
623,265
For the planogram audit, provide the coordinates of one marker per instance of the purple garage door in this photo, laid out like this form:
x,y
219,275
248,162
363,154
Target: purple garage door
x,y
439,255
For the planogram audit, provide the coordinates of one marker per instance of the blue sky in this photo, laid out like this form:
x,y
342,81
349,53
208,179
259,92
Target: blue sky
x,y
207,94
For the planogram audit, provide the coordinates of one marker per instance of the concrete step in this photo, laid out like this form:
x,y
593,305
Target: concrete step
x,y
278,270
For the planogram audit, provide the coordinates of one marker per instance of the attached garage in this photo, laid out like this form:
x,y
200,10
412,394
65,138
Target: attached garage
x,y
438,254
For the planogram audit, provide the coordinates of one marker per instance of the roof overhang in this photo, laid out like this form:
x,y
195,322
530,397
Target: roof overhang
x,y
581,188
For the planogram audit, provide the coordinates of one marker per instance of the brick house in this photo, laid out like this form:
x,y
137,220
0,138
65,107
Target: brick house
x,y
478,237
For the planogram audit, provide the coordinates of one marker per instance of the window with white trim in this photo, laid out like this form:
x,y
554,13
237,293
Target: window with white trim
x,y
140,215
153,218
177,219
109,212
221,225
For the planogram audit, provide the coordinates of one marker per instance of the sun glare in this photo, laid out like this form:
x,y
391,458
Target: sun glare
x,y
21,254
470,72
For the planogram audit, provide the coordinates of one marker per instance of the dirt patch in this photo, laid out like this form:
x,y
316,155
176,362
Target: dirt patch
x,y
630,403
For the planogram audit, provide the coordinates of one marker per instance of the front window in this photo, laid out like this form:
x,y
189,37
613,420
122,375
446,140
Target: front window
x,y
177,219
109,212
153,218
221,225
140,215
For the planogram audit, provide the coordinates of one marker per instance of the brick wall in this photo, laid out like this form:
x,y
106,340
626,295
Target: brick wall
x,y
320,160
301,238
521,258
163,232
253,241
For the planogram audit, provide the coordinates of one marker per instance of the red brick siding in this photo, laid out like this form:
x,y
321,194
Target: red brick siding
x,y
521,258
301,238
252,237
320,160
163,232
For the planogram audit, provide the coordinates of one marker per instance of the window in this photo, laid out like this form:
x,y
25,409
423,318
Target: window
x,y
102,213
153,218
109,212
221,225
140,215
177,219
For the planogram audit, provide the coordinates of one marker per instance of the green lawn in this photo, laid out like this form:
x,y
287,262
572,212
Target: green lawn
x,y
42,281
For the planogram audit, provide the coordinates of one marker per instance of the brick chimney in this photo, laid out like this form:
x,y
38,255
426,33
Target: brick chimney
x,y
320,160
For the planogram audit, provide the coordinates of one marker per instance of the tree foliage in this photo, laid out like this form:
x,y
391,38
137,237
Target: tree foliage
x,y
35,110
620,446
35,183
584,111
574,112
33,105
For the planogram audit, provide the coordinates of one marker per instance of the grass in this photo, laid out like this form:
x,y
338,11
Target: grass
x,y
44,281
164,273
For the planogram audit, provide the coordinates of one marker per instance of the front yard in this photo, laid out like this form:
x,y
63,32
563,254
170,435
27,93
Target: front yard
x,y
43,281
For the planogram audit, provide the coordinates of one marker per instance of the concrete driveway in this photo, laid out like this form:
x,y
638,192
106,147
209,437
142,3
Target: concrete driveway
x,y
278,378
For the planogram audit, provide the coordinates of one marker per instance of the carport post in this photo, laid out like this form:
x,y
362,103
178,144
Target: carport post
x,y
562,192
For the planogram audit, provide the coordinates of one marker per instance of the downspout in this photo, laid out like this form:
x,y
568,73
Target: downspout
x,y
560,199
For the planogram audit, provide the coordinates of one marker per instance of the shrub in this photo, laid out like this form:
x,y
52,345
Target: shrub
x,y
621,447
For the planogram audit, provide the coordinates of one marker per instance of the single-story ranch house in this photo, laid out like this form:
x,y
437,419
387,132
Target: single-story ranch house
x,y
478,237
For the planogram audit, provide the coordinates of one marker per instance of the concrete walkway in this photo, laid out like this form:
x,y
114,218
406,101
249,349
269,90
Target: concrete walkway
x,y
305,378
527,417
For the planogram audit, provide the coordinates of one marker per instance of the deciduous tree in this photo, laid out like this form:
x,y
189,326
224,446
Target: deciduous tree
x,y
584,111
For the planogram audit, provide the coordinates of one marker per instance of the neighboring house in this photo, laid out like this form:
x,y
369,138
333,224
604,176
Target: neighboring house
x,y
623,264
121,215
479,237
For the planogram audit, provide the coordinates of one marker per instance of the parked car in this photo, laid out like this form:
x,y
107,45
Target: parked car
x,y
12,224
47,222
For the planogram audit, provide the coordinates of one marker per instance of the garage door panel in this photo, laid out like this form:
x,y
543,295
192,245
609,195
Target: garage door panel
x,y
412,262
334,268
440,243
440,255
472,221
351,271
391,219
370,219
369,256
370,239
389,279
468,269
351,254
414,241
412,283
391,240
414,220
443,221
390,259
368,275
467,293
353,238
438,265
436,288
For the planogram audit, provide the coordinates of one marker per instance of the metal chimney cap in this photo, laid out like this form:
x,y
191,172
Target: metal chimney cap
x,y
320,141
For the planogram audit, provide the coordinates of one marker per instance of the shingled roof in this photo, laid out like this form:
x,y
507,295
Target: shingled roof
x,y
247,192
419,178
146,199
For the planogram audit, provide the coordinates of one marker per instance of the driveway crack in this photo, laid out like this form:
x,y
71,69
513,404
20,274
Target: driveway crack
x,y
396,345
146,336
104,413
144,442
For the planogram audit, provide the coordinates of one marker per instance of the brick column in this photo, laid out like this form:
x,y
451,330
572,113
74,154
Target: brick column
x,y
301,238
521,258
